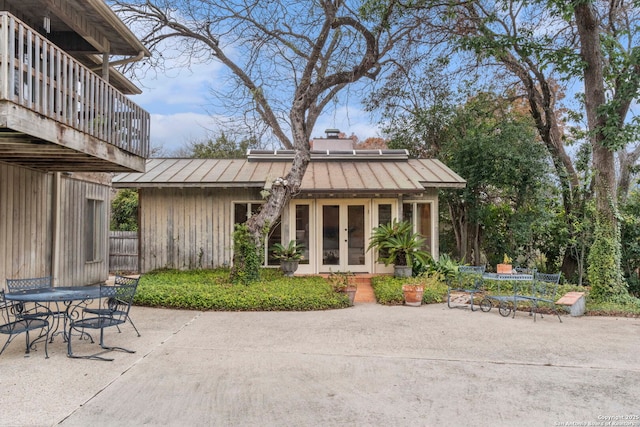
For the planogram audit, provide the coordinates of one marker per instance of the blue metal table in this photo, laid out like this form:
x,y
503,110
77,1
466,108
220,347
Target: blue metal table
x,y
502,276
505,302
75,298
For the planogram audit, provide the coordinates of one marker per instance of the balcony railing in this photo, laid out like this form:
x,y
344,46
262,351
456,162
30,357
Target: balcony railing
x,y
38,75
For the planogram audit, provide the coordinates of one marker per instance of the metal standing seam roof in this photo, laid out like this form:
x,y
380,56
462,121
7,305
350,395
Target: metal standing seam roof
x,y
322,175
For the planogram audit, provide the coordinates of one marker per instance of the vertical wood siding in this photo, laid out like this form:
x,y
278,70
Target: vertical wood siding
x,y
187,228
25,222
73,267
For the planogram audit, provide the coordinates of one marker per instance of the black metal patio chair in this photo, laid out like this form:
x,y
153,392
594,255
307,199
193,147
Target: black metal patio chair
x,y
105,307
36,310
12,324
118,299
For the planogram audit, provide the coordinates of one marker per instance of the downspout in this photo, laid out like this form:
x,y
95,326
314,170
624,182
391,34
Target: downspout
x,y
55,233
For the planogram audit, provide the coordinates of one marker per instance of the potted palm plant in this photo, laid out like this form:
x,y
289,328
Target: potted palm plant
x,y
397,244
289,256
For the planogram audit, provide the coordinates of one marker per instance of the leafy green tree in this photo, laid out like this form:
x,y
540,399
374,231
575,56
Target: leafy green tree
x,y
494,147
222,148
492,143
630,220
124,211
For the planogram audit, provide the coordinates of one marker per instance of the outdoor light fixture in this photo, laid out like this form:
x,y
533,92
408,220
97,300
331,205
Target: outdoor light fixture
x,y
46,23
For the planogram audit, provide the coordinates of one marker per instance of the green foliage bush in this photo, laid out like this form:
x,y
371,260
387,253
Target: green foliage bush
x,y
388,289
605,275
246,259
618,305
124,211
211,290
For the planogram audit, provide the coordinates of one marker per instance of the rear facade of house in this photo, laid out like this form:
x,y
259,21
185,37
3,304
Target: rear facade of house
x,y
188,207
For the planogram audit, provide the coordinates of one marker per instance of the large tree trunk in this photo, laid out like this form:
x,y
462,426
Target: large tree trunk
x,y
604,271
460,229
280,195
603,157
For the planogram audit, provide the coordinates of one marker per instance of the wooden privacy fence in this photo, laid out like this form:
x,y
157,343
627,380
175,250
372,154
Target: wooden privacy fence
x,y
123,251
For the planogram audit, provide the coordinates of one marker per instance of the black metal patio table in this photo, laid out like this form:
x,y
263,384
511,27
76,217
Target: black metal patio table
x,y
75,298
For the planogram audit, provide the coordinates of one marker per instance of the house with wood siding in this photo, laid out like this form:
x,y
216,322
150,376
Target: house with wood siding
x,y
66,124
188,207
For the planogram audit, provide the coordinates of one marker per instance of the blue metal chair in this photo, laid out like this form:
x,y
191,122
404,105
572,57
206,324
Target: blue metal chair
x,y
118,300
12,324
105,309
545,287
469,281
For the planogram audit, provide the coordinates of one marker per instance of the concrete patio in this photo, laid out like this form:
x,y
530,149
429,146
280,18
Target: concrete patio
x,y
368,365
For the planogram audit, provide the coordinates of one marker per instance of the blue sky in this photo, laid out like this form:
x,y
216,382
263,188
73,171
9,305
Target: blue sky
x,y
178,102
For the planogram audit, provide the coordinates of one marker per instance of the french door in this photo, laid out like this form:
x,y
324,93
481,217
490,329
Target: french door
x,y
344,230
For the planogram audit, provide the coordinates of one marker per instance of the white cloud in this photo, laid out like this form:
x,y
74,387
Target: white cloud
x,y
173,131
185,90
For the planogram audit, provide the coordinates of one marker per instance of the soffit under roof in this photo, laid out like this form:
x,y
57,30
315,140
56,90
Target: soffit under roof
x,y
85,26
85,29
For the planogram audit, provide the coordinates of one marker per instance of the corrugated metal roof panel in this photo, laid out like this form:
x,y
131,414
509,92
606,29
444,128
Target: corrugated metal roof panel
x,y
324,175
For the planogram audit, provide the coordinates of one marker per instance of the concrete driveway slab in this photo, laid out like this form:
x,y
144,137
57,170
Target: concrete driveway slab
x,y
368,365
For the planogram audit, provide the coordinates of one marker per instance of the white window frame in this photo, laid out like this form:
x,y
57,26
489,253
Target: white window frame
x,y
309,268
433,225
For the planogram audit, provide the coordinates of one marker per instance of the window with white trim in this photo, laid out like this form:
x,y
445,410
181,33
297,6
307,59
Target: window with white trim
x,y
420,215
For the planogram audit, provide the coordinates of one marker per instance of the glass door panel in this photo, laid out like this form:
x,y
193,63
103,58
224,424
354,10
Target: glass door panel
x,y
331,235
345,232
424,223
355,235
302,230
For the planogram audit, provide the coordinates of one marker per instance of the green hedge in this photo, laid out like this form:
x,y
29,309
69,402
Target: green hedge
x,y
211,290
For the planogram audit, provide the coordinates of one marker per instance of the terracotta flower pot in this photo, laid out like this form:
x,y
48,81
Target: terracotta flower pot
x,y
413,295
504,269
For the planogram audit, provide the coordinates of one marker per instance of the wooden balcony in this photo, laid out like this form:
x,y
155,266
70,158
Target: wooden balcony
x,y
58,115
